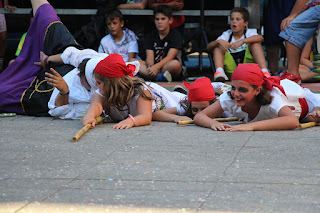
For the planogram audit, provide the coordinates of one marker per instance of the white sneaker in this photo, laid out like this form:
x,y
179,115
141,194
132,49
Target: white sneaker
x,y
168,76
220,77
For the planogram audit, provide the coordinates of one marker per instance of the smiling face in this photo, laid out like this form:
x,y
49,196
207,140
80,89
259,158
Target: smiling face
x,y
114,26
237,23
244,94
162,22
197,107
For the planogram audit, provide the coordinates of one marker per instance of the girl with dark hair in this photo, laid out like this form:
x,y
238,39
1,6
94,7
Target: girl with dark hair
x,y
262,102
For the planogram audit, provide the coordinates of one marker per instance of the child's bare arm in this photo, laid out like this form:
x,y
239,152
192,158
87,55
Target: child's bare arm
x,y
44,59
172,53
136,5
286,121
144,117
94,111
253,39
149,58
314,116
168,115
205,117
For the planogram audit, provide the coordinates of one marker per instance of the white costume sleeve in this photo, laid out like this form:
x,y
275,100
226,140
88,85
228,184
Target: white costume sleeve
x,y
74,57
312,99
79,99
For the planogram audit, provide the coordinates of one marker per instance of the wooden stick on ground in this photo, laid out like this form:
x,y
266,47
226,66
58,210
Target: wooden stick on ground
x,y
76,137
217,119
309,124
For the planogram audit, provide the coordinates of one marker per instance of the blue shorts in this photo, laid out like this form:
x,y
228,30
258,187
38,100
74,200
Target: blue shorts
x,y
302,28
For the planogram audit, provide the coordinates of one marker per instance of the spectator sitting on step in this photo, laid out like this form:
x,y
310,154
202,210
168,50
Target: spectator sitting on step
x,y
162,48
237,45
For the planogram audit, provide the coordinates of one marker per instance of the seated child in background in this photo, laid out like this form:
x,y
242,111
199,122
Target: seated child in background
x,y
262,102
200,95
237,45
121,41
162,47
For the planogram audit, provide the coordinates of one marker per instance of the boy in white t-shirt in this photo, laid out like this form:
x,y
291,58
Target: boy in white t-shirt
x,y
121,41
237,45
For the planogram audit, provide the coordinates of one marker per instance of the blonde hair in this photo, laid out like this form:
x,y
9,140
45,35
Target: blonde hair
x,y
119,91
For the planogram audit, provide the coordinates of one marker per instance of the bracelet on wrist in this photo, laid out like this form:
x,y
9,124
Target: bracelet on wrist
x,y
64,94
45,60
133,120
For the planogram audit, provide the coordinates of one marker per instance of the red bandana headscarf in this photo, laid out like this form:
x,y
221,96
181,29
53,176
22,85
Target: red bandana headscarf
x,y
252,74
200,90
114,66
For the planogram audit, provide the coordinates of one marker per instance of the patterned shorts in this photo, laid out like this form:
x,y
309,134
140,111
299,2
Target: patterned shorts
x,y
3,25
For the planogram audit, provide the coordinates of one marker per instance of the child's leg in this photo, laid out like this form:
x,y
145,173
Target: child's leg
x,y
36,4
273,58
307,75
218,57
173,67
255,49
258,55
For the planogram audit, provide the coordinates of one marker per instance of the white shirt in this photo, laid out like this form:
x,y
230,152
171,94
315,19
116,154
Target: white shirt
x,y
226,35
128,44
79,97
266,111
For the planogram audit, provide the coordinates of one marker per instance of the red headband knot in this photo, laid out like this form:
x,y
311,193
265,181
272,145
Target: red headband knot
x,y
113,66
252,74
200,90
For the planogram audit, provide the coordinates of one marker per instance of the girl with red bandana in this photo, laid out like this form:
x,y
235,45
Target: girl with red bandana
x,y
126,99
201,94
262,102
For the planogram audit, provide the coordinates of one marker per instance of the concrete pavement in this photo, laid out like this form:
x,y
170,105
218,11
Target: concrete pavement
x,y
157,168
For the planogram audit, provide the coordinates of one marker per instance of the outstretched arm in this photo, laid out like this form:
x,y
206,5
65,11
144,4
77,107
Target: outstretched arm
x,y
94,111
168,115
286,121
205,117
144,117
44,59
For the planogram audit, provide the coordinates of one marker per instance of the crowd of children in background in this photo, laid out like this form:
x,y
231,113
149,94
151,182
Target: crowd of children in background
x,y
105,81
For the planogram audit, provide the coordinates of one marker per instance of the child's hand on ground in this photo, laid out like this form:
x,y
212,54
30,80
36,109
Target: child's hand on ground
x,y
236,44
181,118
240,127
88,120
125,124
56,80
217,126
42,63
315,115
